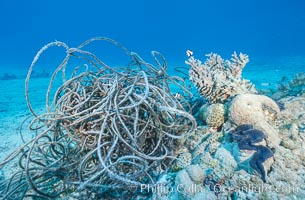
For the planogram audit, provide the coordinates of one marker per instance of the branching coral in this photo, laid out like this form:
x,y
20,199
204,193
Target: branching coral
x,y
217,79
106,128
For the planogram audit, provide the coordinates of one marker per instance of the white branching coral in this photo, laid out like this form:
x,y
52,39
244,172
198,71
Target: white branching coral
x,y
217,79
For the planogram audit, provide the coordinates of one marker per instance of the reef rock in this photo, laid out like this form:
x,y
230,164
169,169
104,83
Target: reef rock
x,y
259,111
292,123
194,138
227,163
183,184
293,108
196,173
183,160
205,194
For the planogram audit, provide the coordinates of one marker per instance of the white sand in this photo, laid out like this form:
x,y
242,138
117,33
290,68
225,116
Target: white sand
x,y
14,110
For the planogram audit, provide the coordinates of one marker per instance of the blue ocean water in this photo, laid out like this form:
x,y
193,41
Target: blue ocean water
x,y
271,32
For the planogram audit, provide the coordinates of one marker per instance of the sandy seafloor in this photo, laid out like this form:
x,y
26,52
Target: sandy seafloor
x,y
14,110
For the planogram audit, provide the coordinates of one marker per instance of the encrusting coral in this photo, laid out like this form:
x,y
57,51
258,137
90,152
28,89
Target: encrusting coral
x,y
217,79
107,128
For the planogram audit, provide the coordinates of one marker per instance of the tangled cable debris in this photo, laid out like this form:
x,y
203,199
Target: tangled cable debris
x,y
105,128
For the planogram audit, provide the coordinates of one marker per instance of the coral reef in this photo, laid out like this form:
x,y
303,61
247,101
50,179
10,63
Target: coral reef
x,y
266,140
43,74
184,180
218,80
183,160
229,169
193,139
105,129
297,84
213,115
259,111
196,173
293,87
292,122
7,76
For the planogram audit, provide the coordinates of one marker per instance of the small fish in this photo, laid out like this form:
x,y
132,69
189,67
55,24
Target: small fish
x,y
177,95
265,84
189,53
